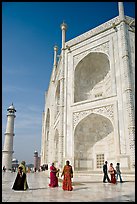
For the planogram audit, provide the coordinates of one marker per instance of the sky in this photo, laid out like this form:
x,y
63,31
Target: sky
x,y
30,30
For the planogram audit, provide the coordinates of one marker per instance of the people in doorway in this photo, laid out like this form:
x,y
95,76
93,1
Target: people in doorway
x,y
68,175
53,176
118,173
21,180
105,171
112,172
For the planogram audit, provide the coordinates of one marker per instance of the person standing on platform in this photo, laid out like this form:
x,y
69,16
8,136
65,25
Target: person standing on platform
x,y
21,180
112,172
105,171
118,172
53,176
68,175
4,168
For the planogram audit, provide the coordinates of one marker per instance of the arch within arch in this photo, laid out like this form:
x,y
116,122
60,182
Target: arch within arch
x,y
92,77
93,136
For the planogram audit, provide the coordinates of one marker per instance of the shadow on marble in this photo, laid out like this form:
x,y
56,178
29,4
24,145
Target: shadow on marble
x,y
77,189
37,188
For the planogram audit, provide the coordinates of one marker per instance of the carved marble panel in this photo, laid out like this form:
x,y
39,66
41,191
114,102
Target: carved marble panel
x,y
107,111
101,48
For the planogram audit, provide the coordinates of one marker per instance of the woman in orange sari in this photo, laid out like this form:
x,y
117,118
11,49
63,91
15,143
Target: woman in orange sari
x,y
68,174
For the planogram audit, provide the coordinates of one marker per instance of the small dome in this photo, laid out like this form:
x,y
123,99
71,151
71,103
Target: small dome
x,y
14,160
63,26
11,108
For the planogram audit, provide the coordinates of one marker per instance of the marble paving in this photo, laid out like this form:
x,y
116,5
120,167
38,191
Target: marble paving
x,y
83,191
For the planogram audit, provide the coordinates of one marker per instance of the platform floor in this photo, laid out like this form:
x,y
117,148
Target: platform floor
x,y
90,190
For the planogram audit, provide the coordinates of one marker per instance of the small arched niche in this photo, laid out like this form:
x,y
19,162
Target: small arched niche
x,y
47,121
57,99
47,127
92,77
56,146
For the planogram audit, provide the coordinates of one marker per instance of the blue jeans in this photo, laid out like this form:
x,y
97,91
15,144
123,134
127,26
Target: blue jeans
x,y
119,174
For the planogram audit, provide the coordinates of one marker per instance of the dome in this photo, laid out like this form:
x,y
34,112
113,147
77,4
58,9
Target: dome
x,y
11,108
14,160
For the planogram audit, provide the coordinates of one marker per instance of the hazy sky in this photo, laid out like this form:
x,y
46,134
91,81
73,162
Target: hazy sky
x,y
29,32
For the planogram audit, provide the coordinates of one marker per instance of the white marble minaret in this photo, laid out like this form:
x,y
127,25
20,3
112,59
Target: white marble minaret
x,y
8,143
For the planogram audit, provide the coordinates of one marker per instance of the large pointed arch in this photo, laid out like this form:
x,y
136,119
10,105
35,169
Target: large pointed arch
x,y
93,135
92,77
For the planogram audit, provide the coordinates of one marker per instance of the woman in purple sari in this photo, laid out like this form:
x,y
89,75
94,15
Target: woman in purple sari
x,y
53,177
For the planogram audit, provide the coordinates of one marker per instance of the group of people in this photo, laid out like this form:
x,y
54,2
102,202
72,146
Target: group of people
x,y
21,180
114,173
67,173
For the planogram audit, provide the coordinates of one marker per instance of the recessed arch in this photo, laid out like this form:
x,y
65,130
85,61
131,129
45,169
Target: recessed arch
x,y
47,128
92,77
57,98
47,121
93,130
56,145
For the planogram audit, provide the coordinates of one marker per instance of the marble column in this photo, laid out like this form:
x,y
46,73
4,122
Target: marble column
x,y
61,132
128,89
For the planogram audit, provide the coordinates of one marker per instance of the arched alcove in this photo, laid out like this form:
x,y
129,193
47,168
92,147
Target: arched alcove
x,y
93,135
56,146
92,77
57,99
47,120
47,133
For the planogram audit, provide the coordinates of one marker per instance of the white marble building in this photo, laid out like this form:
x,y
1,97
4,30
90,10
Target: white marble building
x,y
89,105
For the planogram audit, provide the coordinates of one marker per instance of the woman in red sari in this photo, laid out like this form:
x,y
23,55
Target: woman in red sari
x,y
53,177
112,172
68,174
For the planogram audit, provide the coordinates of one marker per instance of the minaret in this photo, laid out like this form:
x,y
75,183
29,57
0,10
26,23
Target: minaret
x,y
36,160
121,10
55,62
8,143
63,27
55,55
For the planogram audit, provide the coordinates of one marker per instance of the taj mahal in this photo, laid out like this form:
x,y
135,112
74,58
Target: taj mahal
x,y
89,113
